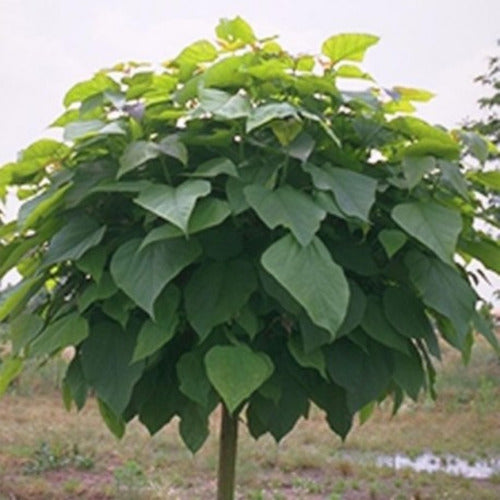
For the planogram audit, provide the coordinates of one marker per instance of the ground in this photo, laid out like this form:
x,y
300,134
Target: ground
x,y
48,453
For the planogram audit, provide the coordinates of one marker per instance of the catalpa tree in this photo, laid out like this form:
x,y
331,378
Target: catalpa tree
x,y
233,229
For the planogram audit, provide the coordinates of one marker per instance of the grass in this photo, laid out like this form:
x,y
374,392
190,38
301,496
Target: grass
x,y
47,453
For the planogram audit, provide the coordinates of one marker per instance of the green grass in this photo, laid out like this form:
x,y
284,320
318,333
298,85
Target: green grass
x,y
46,452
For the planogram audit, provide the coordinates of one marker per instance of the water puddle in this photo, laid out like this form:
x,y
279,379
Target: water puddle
x,y
450,464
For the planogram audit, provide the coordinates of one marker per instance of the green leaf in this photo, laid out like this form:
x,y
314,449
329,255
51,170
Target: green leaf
x,y
79,235
104,289
172,146
216,292
75,384
66,331
364,376
354,193
451,175
113,422
92,262
406,313
286,130
308,359
155,334
435,226
490,179
409,373
112,377
17,296
23,329
392,240
215,167
476,144
143,273
193,380
118,307
76,130
196,53
10,368
348,46
193,426
269,112
41,207
207,213
236,32
413,94
83,90
485,250
36,157
434,147
487,330
224,105
237,371
443,289
136,154
414,169
301,147
352,71
355,310
287,207
377,326
311,276
174,204
227,73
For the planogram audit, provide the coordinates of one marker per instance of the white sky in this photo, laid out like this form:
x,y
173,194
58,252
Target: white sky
x,y
48,45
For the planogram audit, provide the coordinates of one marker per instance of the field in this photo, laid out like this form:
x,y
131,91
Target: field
x,y
47,453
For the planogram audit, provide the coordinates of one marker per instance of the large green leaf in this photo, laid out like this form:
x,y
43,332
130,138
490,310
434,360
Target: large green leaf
x,y
377,326
287,207
216,292
83,90
69,330
136,154
406,313
485,250
348,46
311,276
35,158
354,193
79,235
196,53
435,226
112,376
235,32
143,273
237,371
224,105
215,167
364,375
23,330
443,289
207,213
490,179
174,204
104,289
269,112
10,368
193,380
12,299
154,334
409,373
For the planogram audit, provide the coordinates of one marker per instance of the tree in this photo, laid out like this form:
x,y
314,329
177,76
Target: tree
x,y
232,229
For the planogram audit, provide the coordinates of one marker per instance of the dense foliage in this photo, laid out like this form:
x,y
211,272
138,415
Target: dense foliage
x,y
231,226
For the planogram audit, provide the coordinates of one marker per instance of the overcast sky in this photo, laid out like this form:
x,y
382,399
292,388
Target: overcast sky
x,y
48,45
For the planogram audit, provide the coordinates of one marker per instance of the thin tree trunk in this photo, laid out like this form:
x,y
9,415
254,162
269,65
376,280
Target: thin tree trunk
x,y
227,455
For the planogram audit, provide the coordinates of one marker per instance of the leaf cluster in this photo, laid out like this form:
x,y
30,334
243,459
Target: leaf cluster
x,y
234,227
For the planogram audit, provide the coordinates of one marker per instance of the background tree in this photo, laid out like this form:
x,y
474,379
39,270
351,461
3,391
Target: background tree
x,y
233,229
